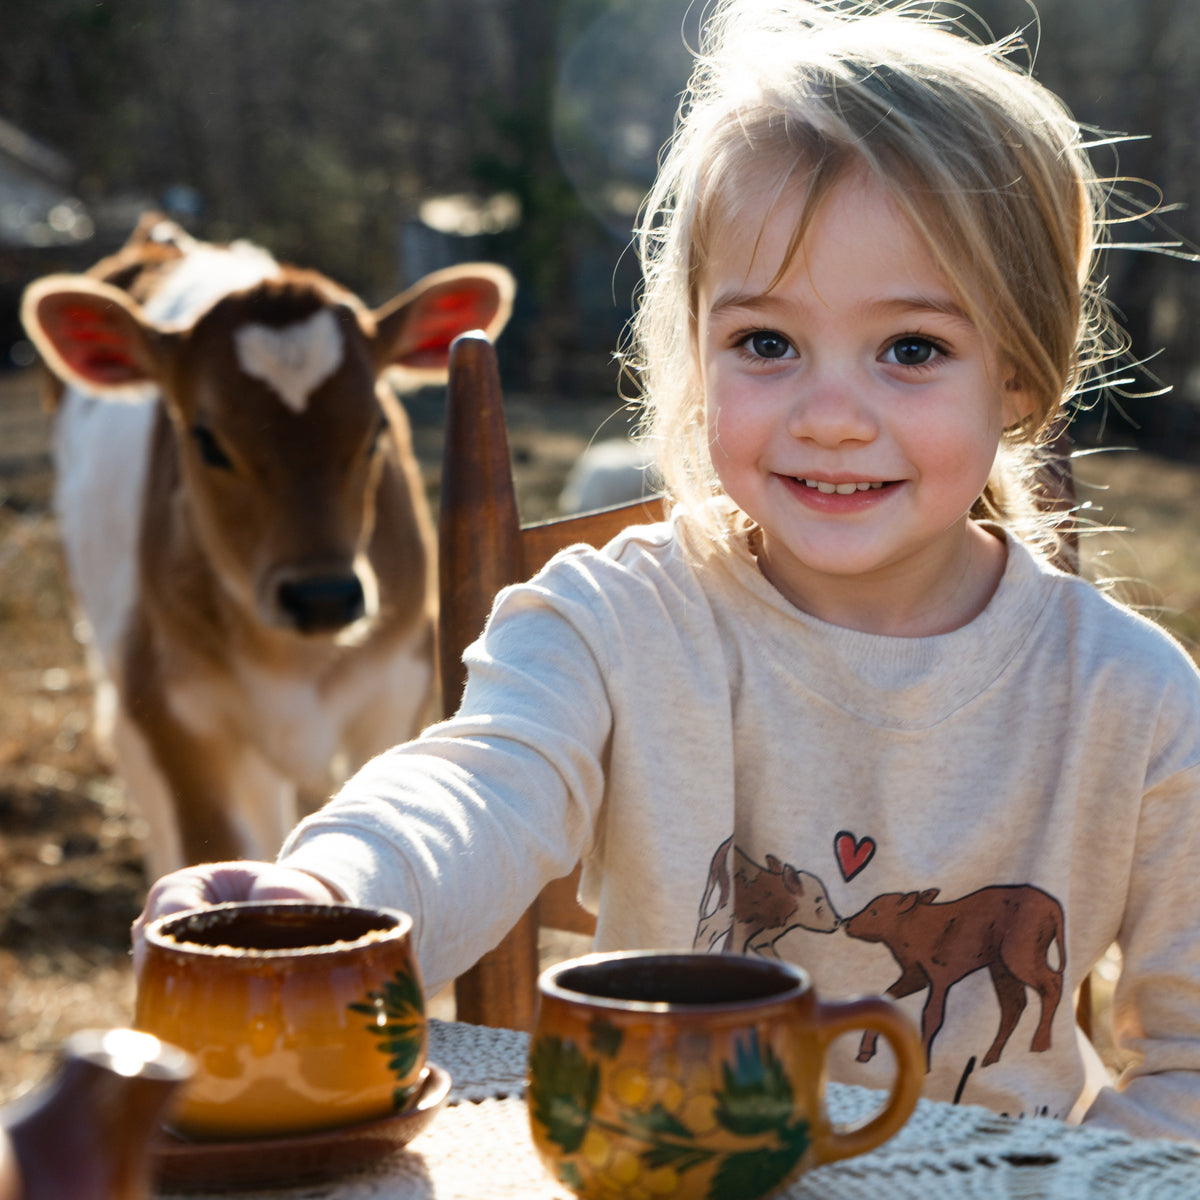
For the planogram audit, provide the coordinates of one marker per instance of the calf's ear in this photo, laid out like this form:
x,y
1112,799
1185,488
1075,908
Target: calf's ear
x,y
89,333
414,331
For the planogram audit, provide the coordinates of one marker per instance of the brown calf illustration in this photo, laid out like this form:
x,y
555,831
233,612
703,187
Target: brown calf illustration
x,y
747,908
1007,929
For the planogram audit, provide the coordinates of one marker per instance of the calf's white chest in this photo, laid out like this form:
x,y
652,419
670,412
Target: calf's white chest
x,y
287,718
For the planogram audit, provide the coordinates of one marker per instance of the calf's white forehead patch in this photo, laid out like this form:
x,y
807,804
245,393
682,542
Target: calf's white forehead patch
x,y
293,360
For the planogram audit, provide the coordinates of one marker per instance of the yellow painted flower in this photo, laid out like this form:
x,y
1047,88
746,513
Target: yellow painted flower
x,y
596,1148
671,1095
625,1167
630,1085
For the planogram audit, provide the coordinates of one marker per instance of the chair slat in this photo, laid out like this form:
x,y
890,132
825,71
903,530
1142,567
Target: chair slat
x,y
541,542
482,548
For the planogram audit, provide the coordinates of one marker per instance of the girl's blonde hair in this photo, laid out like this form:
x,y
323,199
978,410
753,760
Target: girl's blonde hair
x,y
988,165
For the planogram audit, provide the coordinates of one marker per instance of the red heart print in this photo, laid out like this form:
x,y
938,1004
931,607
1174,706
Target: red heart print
x,y
852,853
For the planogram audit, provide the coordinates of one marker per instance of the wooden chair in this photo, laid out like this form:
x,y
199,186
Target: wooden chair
x,y
482,547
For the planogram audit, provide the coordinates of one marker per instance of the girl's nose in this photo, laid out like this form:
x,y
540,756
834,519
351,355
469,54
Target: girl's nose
x,y
831,413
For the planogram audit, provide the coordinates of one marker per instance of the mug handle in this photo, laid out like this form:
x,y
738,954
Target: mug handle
x,y
880,1016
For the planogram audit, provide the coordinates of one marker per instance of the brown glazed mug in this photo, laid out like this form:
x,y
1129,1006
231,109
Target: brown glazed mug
x,y
299,1016
697,1076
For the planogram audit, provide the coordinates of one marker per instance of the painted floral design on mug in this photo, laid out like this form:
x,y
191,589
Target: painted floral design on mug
x,y
736,1120
397,1012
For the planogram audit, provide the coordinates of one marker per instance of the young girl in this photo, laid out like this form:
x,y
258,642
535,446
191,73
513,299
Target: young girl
x,y
840,707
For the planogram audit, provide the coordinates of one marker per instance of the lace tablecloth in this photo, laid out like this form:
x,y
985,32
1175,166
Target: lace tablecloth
x,y
479,1148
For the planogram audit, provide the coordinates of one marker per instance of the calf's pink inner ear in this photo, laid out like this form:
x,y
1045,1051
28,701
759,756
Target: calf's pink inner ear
x,y
435,319
96,339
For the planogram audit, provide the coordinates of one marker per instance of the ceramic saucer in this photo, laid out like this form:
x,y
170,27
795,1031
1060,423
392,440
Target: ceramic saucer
x,y
300,1159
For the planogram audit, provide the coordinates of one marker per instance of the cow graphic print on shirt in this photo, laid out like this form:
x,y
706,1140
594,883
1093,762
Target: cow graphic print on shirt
x,y
1007,929
747,907
1014,930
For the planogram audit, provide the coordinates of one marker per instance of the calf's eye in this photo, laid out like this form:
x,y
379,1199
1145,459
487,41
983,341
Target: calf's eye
x,y
210,448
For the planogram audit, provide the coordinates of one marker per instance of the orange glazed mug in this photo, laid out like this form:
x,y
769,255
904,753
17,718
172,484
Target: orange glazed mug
x,y
694,1076
299,1016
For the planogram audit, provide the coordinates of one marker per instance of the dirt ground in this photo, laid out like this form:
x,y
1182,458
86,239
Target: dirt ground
x,y
71,876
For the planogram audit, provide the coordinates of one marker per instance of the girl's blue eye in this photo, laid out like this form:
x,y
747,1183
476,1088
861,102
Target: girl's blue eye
x,y
766,344
912,351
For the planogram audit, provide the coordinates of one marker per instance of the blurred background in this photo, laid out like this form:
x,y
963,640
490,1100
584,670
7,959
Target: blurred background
x,y
376,140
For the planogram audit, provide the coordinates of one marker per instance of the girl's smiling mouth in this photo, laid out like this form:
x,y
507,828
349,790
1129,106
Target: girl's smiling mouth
x,y
838,495
842,489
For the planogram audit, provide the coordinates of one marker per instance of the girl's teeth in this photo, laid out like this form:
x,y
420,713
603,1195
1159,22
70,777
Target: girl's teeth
x,y
842,489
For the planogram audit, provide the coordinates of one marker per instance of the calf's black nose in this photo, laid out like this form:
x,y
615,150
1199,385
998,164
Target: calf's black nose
x,y
322,603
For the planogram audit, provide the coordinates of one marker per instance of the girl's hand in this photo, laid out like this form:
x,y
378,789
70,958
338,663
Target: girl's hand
x,y
218,883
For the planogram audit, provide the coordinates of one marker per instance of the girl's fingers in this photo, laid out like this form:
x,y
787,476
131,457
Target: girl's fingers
x,y
220,883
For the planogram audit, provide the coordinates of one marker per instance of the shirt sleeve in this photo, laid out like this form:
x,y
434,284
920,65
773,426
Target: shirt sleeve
x,y
463,826
1156,1004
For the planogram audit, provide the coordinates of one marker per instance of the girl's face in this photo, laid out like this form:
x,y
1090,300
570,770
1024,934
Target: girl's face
x,y
854,413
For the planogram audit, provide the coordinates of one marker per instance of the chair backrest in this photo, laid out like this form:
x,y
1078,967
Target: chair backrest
x,y
482,547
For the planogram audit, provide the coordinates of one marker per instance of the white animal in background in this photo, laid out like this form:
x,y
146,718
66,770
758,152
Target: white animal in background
x,y
609,472
244,521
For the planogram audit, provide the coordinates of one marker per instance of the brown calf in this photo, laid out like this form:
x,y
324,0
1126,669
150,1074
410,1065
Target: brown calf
x,y
1007,929
244,521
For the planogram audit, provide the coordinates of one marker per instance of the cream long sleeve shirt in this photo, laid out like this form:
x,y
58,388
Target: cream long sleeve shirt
x,y
969,820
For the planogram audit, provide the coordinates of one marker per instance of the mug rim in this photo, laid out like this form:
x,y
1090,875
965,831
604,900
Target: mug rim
x,y
156,932
549,985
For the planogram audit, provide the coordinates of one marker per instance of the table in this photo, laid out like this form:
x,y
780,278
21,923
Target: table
x,y
479,1148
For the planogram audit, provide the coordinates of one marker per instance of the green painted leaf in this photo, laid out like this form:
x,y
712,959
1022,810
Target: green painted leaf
x,y
682,1158
400,1002
396,1015
606,1038
398,1038
757,1172
656,1120
756,1096
401,1064
563,1085
403,994
569,1173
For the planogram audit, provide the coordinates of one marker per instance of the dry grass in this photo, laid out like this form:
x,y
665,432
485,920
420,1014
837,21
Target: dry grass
x,y
1152,553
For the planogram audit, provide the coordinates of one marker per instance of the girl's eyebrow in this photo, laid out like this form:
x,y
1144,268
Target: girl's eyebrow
x,y
898,305
944,305
742,300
